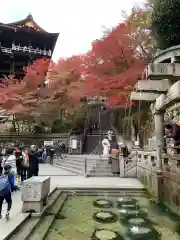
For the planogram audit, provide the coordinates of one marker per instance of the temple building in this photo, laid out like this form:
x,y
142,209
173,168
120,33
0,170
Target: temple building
x,y
21,43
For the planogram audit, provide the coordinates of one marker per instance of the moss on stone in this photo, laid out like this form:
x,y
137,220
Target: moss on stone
x,y
141,232
106,234
103,203
105,217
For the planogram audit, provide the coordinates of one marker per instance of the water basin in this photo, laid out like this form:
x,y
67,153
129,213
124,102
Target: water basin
x,y
76,220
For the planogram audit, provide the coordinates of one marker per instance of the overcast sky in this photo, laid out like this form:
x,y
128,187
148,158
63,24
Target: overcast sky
x,y
78,21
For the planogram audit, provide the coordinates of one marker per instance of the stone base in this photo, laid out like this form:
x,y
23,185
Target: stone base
x,y
36,207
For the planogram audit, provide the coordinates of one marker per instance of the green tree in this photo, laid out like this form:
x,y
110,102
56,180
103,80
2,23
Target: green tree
x,y
166,23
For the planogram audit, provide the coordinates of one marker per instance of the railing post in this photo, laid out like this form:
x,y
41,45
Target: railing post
x,y
85,167
121,165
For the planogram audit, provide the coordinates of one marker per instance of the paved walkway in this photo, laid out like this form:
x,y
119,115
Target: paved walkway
x,y
60,178
46,170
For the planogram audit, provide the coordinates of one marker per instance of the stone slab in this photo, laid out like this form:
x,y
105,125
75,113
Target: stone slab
x,y
144,96
35,189
97,182
153,85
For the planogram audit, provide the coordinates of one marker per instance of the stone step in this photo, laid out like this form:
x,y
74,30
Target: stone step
x,y
27,229
71,165
77,162
46,222
71,169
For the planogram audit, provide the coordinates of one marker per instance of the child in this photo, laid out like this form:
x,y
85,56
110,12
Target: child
x,y
6,183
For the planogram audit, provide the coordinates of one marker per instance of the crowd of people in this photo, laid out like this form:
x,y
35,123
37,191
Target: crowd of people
x,y
26,163
112,149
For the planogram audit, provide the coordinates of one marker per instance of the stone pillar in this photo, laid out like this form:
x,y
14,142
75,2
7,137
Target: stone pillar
x,y
159,132
133,133
122,165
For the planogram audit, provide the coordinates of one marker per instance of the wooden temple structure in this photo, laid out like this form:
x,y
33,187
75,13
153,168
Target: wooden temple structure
x,y
21,43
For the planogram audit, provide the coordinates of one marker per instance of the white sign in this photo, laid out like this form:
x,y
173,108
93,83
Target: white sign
x,y
48,143
74,144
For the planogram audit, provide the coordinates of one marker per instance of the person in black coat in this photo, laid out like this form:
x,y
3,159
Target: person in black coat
x,y
1,168
33,169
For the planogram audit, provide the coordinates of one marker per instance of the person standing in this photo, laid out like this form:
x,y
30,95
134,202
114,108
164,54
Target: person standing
x,y
61,148
1,160
5,190
173,131
33,169
44,155
51,155
19,167
110,133
40,152
115,159
25,165
106,146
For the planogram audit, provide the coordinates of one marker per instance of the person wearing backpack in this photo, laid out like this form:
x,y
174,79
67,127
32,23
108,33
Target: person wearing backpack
x,y
6,182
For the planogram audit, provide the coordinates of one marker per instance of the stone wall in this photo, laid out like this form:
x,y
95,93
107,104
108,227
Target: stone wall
x,y
172,115
30,138
165,185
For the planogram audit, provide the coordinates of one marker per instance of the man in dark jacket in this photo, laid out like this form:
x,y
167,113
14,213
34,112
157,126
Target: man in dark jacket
x,y
51,155
19,159
173,131
33,169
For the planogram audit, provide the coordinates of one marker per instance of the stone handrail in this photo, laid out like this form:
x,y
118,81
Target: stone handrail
x,y
169,162
163,101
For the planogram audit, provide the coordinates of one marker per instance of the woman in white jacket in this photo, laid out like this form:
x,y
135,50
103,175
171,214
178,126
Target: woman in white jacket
x,y
9,159
106,146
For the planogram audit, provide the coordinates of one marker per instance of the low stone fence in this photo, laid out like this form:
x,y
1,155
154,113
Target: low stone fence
x,y
91,164
162,183
32,138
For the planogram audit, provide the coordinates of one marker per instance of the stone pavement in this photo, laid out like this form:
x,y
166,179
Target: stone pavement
x,y
46,170
62,179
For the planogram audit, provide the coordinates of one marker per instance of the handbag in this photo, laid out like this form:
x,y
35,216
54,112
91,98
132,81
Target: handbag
x,y
25,161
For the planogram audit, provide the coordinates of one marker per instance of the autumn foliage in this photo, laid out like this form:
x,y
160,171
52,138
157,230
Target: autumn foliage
x,y
113,66
110,69
19,95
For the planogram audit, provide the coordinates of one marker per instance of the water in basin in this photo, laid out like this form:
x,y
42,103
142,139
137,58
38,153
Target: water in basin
x,y
84,218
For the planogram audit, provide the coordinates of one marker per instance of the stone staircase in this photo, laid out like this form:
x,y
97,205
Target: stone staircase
x,y
91,143
72,163
102,118
96,166
102,169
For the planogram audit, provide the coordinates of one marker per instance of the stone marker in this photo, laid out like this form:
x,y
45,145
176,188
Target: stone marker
x,y
35,191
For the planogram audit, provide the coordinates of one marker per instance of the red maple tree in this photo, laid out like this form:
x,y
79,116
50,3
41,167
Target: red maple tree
x,y
113,66
110,69
17,96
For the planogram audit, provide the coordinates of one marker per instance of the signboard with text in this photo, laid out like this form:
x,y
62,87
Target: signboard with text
x,y
48,143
